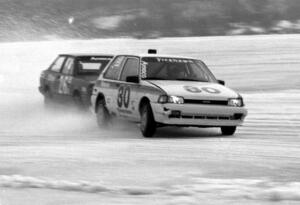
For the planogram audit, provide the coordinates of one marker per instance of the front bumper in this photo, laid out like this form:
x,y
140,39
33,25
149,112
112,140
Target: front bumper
x,y
198,115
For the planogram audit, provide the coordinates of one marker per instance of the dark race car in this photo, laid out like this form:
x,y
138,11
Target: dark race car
x,y
71,77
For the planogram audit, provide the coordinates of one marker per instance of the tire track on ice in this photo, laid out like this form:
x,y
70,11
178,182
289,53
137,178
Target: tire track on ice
x,y
18,182
272,114
253,189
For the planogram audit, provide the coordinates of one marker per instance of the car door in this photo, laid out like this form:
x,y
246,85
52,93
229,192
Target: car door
x,y
65,88
110,84
54,74
127,97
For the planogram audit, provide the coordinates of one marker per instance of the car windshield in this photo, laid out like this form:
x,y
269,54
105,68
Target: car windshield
x,y
92,64
157,68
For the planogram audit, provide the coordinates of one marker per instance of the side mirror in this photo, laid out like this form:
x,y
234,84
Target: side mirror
x,y
222,82
132,79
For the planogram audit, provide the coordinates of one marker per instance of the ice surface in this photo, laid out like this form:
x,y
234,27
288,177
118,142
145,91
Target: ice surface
x,y
61,157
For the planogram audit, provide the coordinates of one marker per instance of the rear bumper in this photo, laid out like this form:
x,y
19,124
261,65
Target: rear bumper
x,y
198,115
42,90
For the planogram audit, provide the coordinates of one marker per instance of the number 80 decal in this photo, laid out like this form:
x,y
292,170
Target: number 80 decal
x,y
123,96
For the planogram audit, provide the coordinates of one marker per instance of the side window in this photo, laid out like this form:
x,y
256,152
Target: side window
x,y
131,68
56,66
68,67
114,69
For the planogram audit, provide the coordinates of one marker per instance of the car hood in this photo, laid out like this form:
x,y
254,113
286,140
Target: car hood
x,y
195,90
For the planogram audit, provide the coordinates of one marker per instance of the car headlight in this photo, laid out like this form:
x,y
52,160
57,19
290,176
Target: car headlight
x,y
176,99
236,102
170,99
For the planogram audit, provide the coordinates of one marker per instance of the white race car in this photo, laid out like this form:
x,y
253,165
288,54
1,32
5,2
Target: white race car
x,y
161,91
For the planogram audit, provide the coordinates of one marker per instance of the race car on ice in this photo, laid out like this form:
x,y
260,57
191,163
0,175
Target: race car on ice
x,y
71,77
165,91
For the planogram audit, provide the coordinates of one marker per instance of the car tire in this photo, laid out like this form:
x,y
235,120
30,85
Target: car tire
x,y
148,124
228,130
102,115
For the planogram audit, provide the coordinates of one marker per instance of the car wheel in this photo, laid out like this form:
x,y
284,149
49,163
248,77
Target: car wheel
x,y
228,130
102,114
148,124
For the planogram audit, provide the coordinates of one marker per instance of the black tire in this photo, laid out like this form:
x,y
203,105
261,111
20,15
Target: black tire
x,y
229,130
148,124
102,114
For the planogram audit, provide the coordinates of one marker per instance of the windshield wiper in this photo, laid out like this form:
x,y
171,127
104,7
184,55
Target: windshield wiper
x,y
188,79
180,79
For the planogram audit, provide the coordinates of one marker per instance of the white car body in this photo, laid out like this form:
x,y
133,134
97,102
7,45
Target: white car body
x,y
205,103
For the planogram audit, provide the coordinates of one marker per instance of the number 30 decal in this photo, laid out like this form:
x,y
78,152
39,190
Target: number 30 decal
x,y
123,97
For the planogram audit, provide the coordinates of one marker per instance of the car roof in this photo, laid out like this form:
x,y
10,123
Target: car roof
x,y
85,54
155,56
125,54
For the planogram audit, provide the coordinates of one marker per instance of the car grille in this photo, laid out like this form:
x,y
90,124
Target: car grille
x,y
237,116
206,102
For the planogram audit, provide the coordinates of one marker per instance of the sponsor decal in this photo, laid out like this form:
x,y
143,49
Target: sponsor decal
x,y
174,60
144,69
